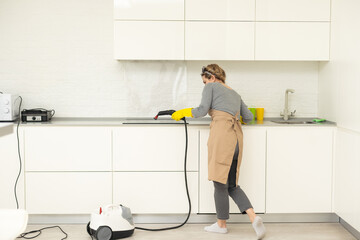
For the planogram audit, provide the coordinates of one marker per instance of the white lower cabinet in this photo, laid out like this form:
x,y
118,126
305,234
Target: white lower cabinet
x,y
9,170
252,172
59,148
347,178
67,192
299,170
154,148
74,170
155,192
149,163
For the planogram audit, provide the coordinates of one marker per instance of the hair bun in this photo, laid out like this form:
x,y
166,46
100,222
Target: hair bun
x,y
217,71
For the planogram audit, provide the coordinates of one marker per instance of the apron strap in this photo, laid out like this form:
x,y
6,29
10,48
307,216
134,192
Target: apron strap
x,y
236,116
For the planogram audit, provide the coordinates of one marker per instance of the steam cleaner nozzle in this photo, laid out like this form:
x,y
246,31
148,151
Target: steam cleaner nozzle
x,y
166,112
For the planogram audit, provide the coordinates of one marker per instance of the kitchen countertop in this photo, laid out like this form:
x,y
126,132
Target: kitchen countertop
x,y
5,128
267,122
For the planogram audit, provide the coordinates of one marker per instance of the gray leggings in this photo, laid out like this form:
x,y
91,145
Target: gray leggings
x,y
222,192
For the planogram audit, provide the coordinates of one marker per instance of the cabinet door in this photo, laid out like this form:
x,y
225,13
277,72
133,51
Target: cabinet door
x,y
299,170
231,10
9,170
156,148
155,192
293,10
67,193
252,172
347,177
292,41
68,149
149,10
149,40
219,41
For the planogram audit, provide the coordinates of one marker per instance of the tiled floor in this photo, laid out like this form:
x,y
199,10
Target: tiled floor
x,y
243,231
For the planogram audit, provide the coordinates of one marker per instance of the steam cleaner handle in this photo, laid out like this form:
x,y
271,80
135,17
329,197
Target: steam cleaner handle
x,y
166,112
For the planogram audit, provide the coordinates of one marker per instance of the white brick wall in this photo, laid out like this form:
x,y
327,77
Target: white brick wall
x,y
59,54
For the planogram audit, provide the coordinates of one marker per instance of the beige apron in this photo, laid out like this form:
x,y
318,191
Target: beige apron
x,y
225,132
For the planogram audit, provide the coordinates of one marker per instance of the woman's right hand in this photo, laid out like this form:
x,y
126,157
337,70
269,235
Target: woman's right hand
x,y
178,115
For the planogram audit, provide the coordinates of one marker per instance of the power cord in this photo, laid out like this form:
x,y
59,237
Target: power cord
x,y
187,191
24,235
18,144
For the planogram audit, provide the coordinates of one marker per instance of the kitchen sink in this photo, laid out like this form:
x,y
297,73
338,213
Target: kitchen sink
x,y
293,122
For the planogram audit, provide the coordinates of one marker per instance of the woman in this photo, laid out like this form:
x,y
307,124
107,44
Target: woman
x,y
225,145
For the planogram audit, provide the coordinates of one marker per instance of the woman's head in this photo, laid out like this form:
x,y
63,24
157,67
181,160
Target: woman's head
x,y
213,73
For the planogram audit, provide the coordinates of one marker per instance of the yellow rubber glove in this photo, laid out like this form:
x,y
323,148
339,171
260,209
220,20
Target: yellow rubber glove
x,y
178,115
241,120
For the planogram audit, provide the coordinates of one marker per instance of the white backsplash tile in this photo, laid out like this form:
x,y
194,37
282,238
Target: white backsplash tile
x,y
141,88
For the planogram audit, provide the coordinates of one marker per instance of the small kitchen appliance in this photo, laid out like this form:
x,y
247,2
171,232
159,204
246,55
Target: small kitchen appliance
x,y
9,107
36,115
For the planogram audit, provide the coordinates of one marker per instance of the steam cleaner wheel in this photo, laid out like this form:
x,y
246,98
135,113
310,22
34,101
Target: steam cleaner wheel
x,y
103,233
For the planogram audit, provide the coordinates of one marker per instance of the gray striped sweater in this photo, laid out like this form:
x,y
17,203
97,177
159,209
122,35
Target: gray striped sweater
x,y
218,97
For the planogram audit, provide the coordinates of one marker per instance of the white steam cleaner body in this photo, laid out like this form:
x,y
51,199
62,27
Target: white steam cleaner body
x,y
111,222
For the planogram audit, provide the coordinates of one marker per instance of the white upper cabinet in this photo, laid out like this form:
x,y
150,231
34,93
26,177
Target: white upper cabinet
x,y
149,9
230,10
149,40
292,10
219,41
292,41
248,30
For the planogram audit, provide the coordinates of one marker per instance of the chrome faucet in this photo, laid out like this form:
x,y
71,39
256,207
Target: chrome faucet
x,y
286,114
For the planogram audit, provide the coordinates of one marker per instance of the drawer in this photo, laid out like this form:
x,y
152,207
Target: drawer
x,y
156,148
155,192
67,149
67,193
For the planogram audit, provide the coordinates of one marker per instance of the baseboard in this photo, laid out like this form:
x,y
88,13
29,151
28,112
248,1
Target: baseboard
x,y
194,218
350,229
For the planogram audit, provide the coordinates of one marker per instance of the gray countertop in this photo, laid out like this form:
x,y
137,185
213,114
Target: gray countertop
x,y
267,122
5,128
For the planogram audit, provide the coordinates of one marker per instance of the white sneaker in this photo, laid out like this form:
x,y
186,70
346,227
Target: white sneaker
x,y
215,228
259,227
